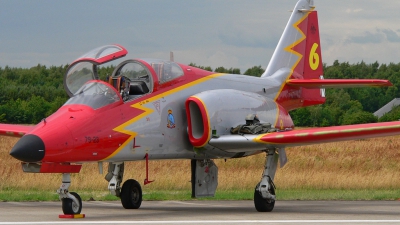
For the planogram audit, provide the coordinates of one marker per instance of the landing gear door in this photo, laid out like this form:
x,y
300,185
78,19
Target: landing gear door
x,y
84,68
205,181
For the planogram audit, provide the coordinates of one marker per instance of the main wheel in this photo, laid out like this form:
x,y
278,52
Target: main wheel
x,y
261,204
131,194
70,207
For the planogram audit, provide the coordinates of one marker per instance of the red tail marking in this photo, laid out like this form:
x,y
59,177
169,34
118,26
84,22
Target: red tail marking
x,y
313,57
312,62
309,66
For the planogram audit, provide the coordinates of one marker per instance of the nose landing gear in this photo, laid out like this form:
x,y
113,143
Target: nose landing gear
x,y
71,201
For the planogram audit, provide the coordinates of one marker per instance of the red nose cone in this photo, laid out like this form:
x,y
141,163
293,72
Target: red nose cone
x,y
30,148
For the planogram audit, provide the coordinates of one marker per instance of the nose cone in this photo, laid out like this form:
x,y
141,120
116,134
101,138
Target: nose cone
x,y
30,148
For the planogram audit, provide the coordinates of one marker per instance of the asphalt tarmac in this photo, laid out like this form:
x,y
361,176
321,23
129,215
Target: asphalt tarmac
x,y
207,212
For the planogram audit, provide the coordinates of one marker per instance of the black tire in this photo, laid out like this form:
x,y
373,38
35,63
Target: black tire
x,y
261,204
69,206
131,194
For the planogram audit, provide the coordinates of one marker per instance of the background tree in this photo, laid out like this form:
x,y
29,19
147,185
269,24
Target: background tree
x,y
255,71
231,70
208,68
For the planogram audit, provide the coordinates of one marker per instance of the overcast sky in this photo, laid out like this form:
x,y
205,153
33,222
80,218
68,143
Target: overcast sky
x,y
232,33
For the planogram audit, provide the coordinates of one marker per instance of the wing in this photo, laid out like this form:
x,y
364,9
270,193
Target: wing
x,y
238,143
337,83
14,130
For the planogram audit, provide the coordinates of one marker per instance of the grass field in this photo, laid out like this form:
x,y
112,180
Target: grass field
x,y
352,170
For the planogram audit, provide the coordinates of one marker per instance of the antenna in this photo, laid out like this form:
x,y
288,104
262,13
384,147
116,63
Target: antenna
x,y
171,56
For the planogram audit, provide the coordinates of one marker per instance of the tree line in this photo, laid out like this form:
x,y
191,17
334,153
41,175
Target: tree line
x,y
27,95
352,105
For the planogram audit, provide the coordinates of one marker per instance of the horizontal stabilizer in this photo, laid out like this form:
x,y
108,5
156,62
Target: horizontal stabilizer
x,y
337,83
14,130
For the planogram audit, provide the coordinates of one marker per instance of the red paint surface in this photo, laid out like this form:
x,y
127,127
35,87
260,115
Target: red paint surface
x,y
336,133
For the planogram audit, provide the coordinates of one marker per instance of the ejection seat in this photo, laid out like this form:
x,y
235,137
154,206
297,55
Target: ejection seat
x,y
120,83
115,82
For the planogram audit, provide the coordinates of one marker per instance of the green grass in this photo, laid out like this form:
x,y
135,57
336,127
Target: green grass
x,y
293,194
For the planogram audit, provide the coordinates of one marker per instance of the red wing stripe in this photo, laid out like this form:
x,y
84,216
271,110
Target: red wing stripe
x,y
330,134
14,130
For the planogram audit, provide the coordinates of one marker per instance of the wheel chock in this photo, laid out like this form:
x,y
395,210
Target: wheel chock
x,y
71,216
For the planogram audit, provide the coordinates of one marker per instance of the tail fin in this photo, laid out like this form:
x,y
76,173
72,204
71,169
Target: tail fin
x,y
298,56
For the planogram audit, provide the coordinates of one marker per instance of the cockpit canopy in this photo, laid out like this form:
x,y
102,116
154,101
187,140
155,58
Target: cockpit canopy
x,y
130,79
165,70
85,67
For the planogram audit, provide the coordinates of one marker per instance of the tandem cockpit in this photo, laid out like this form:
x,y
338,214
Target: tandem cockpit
x,y
129,80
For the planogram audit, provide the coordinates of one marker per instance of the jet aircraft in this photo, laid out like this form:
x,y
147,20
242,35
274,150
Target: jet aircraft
x,y
152,109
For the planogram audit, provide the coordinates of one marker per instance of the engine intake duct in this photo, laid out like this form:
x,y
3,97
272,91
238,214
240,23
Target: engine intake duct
x,y
198,122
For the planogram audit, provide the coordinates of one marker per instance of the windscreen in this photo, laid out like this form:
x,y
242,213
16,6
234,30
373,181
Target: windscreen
x,y
95,94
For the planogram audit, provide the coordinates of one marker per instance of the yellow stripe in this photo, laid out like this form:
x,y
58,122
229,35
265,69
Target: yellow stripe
x,y
326,132
301,135
148,111
371,128
290,50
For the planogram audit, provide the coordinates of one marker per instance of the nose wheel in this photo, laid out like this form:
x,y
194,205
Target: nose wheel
x,y
70,207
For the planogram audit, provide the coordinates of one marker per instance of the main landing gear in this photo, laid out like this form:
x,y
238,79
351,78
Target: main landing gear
x,y
264,193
